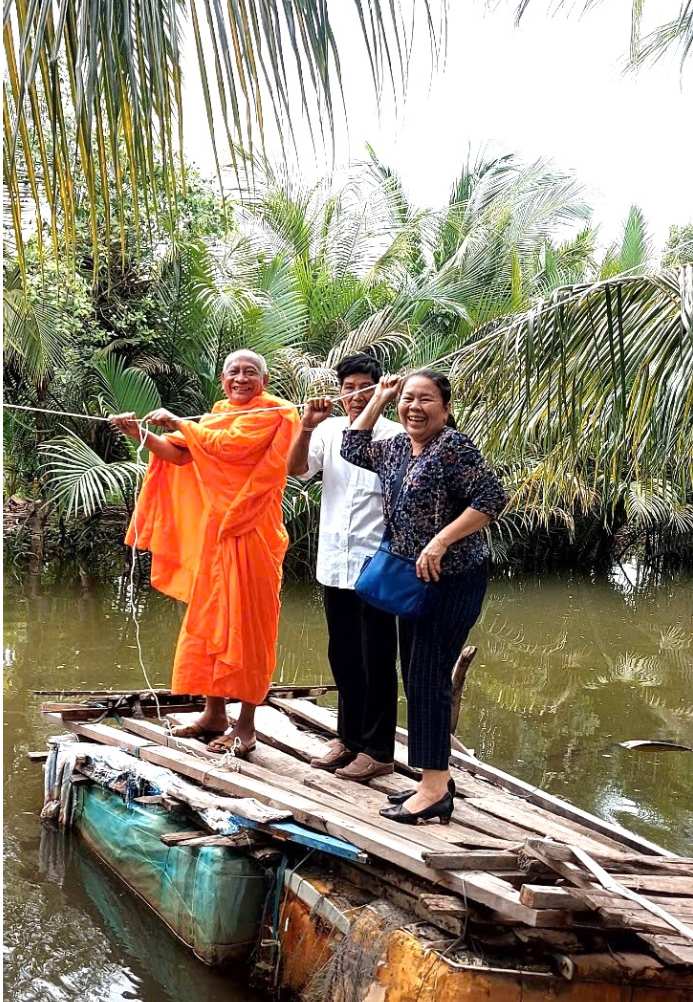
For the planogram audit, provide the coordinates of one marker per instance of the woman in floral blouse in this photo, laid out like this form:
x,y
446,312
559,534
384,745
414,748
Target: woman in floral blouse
x,y
448,495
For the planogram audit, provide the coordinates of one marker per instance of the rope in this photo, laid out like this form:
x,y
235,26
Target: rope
x,y
144,431
533,312
194,417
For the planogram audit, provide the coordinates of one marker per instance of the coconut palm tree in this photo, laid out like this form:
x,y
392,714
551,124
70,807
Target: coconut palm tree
x,y
587,398
578,386
93,96
665,39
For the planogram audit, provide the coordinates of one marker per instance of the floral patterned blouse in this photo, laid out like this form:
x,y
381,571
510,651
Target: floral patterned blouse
x,y
449,475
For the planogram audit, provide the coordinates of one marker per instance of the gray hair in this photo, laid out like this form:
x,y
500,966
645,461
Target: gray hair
x,y
259,359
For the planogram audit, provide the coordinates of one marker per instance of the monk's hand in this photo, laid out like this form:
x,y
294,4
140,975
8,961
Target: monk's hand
x,y
163,418
315,412
387,390
428,562
127,423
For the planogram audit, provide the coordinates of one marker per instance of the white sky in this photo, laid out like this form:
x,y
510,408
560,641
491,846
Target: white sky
x,y
553,88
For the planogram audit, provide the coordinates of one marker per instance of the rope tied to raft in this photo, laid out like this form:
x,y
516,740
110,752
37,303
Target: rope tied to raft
x,y
143,432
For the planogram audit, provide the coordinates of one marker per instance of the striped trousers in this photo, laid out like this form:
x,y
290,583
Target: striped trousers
x,y
429,648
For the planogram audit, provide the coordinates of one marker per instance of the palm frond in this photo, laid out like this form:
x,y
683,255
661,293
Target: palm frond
x,y
124,389
79,481
33,335
120,96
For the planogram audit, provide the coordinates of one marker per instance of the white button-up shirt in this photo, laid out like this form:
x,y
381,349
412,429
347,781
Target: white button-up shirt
x,y
351,513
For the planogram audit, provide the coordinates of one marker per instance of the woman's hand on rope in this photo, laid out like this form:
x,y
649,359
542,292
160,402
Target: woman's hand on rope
x,y
163,418
128,423
387,389
429,560
315,412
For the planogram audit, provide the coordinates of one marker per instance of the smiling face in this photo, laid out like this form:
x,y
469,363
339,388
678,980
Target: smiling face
x,y
421,409
357,381
244,376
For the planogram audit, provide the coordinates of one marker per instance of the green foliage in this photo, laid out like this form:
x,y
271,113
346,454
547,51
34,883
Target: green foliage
x,y
93,102
678,249
574,377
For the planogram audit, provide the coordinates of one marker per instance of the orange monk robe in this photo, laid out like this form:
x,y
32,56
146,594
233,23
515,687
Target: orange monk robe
x,y
215,531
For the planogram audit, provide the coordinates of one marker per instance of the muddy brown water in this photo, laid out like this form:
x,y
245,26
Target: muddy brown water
x,y
566,669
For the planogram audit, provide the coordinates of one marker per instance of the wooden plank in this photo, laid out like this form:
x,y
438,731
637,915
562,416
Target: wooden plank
x,y
484,888
548,896
157,800
636,919
287,737
323,718
37,756
279,731
657,883
173,838
271,766
440,910
81,712
625,908
532,794
670,949
104,734
471,860
536,820
444,903
362,797
636,863
239,840
610,884
277,688
611,967
552,939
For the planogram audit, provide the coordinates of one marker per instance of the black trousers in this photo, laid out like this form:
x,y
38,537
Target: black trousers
x,y
429,647
362,650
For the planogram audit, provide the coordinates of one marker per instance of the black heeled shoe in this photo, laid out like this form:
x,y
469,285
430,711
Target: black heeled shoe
x,y
442,809
399,798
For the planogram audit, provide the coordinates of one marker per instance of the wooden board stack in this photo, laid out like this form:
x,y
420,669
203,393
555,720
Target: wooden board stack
x,y
516,868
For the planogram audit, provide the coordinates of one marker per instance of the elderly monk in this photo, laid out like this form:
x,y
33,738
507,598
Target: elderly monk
x,y
210,512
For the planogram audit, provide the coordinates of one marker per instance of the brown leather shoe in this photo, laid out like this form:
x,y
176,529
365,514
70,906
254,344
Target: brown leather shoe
x,y
337,755
364,768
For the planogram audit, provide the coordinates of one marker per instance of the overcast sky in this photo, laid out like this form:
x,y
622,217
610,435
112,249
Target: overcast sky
x,y
553,88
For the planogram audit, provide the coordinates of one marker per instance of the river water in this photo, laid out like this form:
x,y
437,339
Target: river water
x,y
566,669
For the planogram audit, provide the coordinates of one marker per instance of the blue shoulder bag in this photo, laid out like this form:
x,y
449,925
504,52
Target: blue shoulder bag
x,y
388,581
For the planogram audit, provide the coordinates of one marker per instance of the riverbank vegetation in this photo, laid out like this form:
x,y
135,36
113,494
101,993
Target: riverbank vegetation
x,y
573,367
128,278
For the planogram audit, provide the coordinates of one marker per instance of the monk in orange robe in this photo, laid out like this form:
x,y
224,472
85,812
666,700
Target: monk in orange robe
x,y
210,512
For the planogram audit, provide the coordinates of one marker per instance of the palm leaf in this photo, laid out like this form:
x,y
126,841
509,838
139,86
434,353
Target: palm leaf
x,y
125,389
79,481
122,91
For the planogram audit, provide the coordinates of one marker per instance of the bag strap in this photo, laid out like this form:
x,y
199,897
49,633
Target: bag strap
x,y
399,480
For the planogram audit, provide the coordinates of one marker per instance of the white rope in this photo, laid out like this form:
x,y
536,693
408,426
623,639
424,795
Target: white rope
x,y
143,432
470,345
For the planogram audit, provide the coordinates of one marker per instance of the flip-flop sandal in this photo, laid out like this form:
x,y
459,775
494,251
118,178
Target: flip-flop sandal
x,y
196,731
227,744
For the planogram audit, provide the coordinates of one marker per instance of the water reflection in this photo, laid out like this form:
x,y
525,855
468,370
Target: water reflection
x,y
565,670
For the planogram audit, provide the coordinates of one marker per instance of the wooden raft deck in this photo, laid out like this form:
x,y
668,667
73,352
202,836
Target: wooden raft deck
x,y
516,864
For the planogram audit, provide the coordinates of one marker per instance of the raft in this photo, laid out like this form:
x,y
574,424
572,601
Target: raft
x,y
522,898
210,897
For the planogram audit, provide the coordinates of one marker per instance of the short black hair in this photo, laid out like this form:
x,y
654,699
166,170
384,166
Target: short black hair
x,y
361,364
441,381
